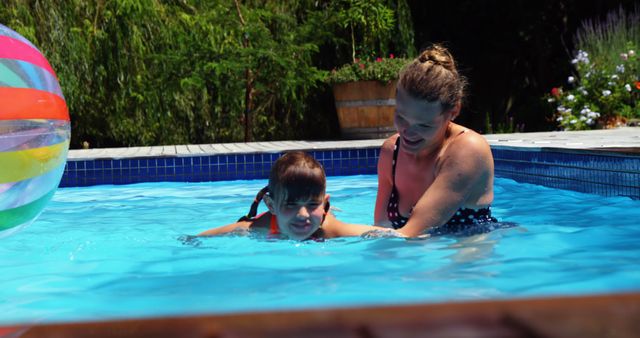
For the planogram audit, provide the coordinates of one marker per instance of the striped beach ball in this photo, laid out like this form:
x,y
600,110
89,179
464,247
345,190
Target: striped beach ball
x,y
34,132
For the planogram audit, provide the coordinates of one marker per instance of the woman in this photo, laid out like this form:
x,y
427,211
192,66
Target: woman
x,y
434,175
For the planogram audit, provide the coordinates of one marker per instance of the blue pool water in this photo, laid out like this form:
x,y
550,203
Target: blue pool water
x,y
110,252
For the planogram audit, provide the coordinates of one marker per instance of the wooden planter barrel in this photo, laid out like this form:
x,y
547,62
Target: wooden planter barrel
x,y
365,109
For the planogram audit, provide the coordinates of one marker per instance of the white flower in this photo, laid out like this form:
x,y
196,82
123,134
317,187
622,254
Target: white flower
x,y
627,87
624,56
610,84
559,118
585,111
593,115
583,91
581,57
571,79
571,98
615,76
619,69
606,92
574,121
551,99
583,118
590,121
574,61
561,109
632,53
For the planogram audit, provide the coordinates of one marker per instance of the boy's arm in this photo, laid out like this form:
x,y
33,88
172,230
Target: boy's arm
x,y
226,229
260,221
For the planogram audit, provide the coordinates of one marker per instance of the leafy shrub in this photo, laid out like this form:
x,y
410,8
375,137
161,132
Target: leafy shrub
x,y
380,69
149,72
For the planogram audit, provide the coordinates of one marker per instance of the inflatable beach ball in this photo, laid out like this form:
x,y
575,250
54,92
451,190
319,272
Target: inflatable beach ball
x,y
34,132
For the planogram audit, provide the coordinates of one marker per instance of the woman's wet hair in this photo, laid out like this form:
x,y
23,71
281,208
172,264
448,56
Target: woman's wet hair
x,y
296,176
433,76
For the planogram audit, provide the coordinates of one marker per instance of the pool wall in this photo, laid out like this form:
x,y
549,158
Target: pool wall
x,y
607,173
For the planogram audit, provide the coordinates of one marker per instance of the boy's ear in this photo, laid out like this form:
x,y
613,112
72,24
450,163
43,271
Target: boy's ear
x,y
269,202
327,205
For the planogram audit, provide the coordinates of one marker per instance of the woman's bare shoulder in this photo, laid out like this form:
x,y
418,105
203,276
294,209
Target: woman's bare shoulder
x,y
467,151
389,144
470,141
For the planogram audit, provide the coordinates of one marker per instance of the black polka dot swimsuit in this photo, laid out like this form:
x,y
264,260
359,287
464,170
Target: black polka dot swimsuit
x,y
462,219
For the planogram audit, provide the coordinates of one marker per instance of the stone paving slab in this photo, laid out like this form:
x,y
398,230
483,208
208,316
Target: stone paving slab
x,y
627,137
621,139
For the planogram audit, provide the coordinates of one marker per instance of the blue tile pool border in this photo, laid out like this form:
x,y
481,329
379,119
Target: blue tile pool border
x,y
600,172
202,168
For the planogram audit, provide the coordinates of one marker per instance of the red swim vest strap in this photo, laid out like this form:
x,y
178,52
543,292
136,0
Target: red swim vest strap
x,y
274,230
254,206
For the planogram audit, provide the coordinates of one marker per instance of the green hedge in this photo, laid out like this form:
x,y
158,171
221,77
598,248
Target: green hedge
x,y
150,72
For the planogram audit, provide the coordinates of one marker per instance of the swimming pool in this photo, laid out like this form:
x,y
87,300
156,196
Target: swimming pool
x,y
108,252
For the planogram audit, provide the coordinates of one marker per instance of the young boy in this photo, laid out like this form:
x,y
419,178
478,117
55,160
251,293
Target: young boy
x,y
298,205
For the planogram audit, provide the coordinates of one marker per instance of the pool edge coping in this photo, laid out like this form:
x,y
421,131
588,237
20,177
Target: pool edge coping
x,y
594,315
622,140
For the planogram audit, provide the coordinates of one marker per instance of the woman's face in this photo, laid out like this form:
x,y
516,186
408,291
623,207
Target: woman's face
x,y
299,219
421,123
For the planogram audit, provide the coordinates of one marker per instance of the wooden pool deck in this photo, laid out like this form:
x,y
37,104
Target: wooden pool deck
x,y
584,317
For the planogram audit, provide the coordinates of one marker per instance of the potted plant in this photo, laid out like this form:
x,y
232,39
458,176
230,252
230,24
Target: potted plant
x,y
364,89
364,93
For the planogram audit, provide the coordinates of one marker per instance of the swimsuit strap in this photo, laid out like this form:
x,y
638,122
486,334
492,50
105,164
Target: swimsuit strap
x,y
273,228
396,149
397,220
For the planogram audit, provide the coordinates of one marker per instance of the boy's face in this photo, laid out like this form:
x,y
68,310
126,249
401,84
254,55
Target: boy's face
x,y
299,219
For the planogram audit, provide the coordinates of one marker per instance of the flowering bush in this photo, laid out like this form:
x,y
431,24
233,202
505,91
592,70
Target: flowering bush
x,y
597,97
604,91
378,69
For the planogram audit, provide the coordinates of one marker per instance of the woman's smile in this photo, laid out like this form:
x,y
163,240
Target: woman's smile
x,y
411,142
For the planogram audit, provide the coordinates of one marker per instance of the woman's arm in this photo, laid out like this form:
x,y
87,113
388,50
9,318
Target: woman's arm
x,y
463,173
385,182
333,227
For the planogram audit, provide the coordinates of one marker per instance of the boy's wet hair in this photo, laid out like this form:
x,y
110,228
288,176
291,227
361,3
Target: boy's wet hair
x,y
296,176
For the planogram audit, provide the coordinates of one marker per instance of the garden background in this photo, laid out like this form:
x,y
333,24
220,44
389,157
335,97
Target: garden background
x,y
152,72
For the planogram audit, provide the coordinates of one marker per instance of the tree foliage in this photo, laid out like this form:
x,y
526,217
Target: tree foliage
x,y
149,72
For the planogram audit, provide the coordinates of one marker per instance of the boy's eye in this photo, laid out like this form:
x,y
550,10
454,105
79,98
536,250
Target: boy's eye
x,y
311,205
